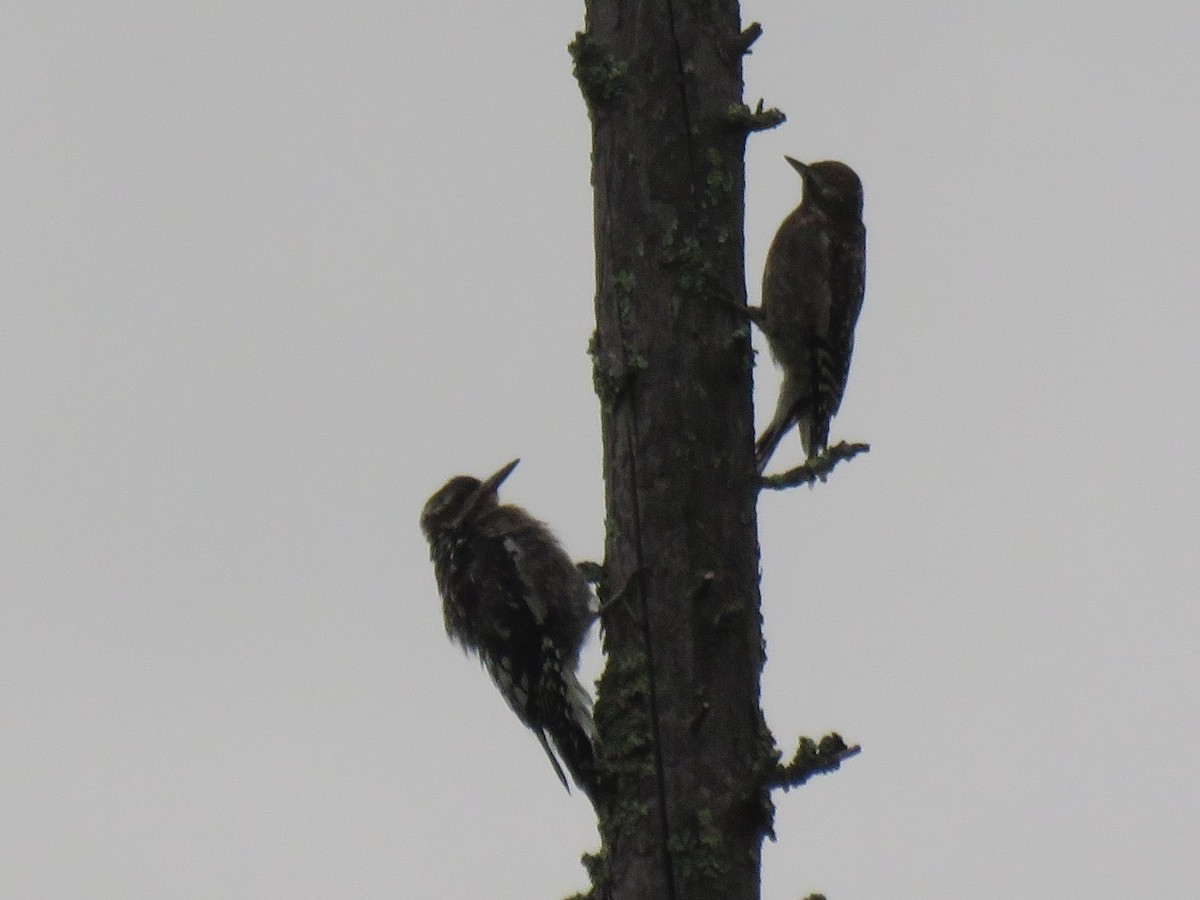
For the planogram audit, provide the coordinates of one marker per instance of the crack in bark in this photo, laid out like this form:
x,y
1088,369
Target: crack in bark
x,y
685,109
631,415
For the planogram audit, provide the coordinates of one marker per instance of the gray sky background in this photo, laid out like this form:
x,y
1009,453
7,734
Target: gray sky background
x,y
272,272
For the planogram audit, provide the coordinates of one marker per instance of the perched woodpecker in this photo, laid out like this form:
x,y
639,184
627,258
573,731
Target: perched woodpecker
x,y
812,293
512,595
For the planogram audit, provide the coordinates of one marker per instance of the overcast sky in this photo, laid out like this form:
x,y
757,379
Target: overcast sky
x,y
272,272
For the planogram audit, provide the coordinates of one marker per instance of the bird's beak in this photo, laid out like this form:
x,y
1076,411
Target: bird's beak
x,y
493,482
797,165
486,488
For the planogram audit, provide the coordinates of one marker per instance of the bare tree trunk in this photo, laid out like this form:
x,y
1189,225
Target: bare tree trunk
x,y
687,757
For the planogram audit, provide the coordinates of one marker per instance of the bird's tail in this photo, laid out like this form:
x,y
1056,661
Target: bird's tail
x,y
573,733
541,736
765,446
808,409
794,408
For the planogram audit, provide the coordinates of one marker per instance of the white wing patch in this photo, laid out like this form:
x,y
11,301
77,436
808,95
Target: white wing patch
x,y
533,599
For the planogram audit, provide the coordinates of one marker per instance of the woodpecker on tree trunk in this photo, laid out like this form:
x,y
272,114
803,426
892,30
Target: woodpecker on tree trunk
x,y
512,596
812,293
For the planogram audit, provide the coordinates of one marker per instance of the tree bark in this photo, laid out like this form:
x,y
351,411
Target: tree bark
x,y
684,751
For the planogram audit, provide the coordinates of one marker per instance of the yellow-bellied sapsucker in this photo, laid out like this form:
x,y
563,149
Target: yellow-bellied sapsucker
x,y
812,294
512,595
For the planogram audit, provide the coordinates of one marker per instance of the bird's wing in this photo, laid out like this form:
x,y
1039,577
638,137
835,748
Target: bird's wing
x,y
847,287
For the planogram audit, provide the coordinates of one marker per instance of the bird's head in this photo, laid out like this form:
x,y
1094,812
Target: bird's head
x,y
832,187
460,499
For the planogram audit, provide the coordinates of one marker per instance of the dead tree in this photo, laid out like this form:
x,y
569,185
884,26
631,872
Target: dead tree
x,y
685,751
687,761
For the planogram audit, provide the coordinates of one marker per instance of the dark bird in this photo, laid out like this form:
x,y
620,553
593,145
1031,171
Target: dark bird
x,y
512,596
812,294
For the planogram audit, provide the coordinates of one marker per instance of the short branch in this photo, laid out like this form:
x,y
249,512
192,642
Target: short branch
x,y
815,469
813,759
758,119
747,38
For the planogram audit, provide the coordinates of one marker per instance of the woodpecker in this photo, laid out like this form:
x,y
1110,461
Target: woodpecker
x,y
511,595
812,294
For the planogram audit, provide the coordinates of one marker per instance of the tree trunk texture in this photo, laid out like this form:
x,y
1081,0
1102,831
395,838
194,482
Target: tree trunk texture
x,y
683,746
